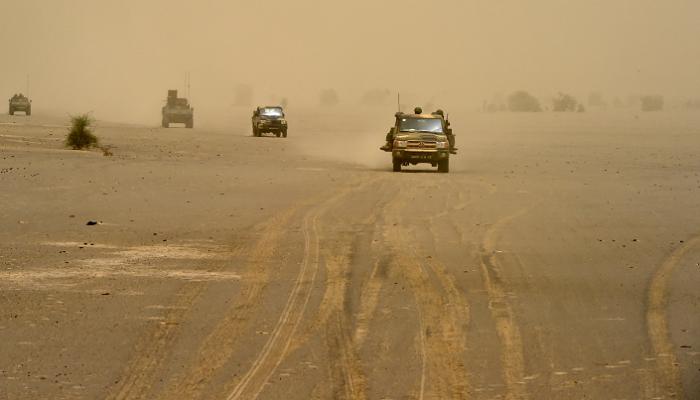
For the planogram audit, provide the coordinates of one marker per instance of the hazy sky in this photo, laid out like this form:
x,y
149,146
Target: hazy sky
x,y
119,57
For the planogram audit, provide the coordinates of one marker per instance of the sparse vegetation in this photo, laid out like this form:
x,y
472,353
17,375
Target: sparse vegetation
x,y
376,97
329,98
652,103
692,104
564,103
243,95
595,99
522,101
80,135
494,107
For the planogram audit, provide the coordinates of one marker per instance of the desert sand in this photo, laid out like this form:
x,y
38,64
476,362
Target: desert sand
x,y
559,259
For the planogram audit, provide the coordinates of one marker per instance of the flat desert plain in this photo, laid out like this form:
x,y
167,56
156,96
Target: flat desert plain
x,y
559,259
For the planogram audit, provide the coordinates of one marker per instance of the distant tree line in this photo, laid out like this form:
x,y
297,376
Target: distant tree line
x,y
652,103
524,101
517,101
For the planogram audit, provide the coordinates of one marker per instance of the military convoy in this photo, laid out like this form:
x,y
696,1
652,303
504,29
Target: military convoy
x,y
20,102
269,120
420,139
177,110
416,138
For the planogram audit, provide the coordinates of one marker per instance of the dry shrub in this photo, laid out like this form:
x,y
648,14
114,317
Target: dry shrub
x,y
564,103
652,103
522,101
80,135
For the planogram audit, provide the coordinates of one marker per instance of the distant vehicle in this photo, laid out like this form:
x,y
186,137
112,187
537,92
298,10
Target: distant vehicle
x,y
419,139
177,110
20,102
269,120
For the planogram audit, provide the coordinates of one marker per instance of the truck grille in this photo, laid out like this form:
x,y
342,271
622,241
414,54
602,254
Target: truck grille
x,y
273,122
419,144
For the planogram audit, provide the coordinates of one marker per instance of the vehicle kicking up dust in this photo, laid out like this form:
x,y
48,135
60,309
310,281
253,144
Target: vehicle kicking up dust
x,y
177,110
269,120
420,139
21,103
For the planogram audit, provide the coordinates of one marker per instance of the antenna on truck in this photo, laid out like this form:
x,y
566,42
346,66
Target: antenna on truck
x,y
398,100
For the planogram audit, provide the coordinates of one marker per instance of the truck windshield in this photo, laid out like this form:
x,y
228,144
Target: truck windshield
x,y
271,112
431,125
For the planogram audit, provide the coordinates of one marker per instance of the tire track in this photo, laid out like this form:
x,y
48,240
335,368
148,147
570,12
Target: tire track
x,y
369,290
668,373
278,346
344,340
512,354
218,346
502,313
442,338
348,374
344,365
442,313
140,374
369,299
151,351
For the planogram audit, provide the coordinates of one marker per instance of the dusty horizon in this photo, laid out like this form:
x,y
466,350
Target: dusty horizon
x,y
545,249
118,59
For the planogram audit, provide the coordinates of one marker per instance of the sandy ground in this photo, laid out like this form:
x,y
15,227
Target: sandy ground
x,y
560,259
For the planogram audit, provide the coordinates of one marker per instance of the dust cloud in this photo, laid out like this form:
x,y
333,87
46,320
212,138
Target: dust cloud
x,y
117,59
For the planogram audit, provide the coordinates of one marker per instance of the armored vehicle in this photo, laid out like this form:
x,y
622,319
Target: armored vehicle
x,y
419,139
20,102
269,120
177,110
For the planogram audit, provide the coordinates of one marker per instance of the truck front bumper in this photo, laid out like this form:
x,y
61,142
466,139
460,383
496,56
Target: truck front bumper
x,y
418,156
179,118
269,128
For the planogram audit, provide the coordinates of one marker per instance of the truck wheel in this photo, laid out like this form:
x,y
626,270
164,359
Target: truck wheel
x,y
255,132
29,112
190,123
12,112
444,166
278,134
397,165
284,133
165,123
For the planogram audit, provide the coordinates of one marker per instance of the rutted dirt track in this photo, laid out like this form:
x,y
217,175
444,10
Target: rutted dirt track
x,y
536,269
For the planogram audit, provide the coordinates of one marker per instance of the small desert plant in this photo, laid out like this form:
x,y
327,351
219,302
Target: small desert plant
x,y
80,135
564,102
522,101
595,99
376,97
692,104
243,95
652,103
329,98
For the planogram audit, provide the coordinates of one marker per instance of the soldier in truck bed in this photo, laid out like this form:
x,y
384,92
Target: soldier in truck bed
x,y
390,135
448,130
439,113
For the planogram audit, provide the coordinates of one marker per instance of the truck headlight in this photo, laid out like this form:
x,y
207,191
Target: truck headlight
x,y
400,143
441,145
283,122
